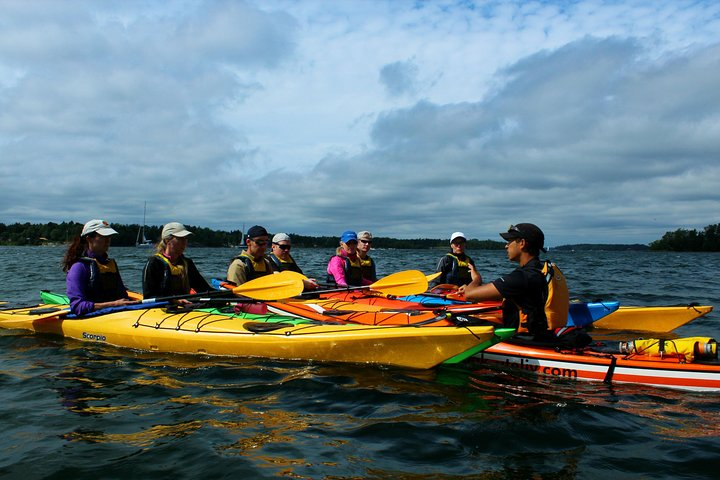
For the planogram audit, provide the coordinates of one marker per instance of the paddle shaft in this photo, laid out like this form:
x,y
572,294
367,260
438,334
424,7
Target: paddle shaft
x,y
339,289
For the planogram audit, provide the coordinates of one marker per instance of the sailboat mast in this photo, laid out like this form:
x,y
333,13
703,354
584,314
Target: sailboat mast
x,y
141,241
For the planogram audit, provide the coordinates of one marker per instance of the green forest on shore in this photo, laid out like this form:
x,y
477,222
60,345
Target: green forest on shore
x,y
61,233
681,240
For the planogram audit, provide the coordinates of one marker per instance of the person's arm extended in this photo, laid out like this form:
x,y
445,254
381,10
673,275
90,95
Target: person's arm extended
x,y
476,291
77,278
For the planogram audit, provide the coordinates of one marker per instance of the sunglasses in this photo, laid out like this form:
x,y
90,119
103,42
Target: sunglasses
x,y
369,242
282,247
260,243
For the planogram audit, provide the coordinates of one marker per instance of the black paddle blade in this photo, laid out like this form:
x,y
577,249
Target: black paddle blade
x,y
263,327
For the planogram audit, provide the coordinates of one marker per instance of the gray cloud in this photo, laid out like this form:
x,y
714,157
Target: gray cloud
x,y
399,78
202,108
114,112
585,140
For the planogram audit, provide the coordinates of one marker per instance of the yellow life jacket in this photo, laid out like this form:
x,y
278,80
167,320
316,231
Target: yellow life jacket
x,y
688,348
255,268
175,270
109,267
176,278
557,304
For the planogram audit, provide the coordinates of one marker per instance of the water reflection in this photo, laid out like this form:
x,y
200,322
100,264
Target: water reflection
x,y
153,415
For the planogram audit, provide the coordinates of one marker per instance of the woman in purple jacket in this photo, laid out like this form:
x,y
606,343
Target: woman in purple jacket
x,y
93,279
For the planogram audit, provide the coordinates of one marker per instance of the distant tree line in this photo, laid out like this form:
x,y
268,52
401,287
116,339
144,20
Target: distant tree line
x,y
387,242
681,240
60,233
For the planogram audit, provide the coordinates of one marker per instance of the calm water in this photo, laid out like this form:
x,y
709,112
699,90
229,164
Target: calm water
x,y
74,410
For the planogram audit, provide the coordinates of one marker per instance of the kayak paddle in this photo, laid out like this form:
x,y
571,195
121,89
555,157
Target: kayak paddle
x,y
42,313
408,282
267,287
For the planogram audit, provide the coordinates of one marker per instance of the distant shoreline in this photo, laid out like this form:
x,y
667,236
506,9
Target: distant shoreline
x,y
19,234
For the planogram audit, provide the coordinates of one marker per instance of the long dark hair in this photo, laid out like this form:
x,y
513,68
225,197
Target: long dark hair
x,y
75,251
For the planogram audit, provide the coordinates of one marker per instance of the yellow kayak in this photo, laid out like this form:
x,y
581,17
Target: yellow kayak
x,y
246,335
651,319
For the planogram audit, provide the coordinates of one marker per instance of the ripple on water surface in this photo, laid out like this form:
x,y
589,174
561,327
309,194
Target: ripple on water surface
x,y
86,411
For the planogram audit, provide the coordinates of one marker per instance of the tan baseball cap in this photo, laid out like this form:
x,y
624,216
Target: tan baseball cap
x,y
101,227
175,229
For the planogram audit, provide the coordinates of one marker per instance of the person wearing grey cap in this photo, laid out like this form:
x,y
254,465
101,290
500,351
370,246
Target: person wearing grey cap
x,y
367,264
454,266
281,259
169,272
251,263
525,289
93,278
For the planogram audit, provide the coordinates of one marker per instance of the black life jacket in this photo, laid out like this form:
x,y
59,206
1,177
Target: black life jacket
x,y
367,266
280,265
105,284
460,273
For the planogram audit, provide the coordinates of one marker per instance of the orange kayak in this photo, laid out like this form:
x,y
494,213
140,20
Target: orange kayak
x,y
317,311
672,371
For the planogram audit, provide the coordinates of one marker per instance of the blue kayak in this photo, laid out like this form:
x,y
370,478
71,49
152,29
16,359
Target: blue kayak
x,y
583,314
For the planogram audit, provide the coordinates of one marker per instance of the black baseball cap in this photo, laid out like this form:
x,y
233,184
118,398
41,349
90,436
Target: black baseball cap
x,y
528,232
256,231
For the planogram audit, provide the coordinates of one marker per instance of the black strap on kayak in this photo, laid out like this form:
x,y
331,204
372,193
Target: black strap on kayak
x,y
43,311
263,327
611,370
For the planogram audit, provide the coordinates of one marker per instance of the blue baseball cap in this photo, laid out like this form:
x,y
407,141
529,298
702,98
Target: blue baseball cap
x,y
348,236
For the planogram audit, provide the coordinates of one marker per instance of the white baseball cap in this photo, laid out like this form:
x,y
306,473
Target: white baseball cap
x,y
457,235
281,237
101,227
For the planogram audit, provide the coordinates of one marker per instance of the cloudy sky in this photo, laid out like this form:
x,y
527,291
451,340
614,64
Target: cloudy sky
x,y
597,120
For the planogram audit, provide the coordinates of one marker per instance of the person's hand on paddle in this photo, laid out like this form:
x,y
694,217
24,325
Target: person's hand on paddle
x,y
310,284
115,303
